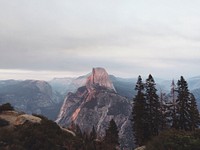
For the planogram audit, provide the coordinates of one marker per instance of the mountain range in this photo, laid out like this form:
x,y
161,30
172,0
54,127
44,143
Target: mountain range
x,y
89,100
46,97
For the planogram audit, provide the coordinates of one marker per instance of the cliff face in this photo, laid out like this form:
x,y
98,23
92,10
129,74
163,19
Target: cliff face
x,y
95,104
99,77
30,96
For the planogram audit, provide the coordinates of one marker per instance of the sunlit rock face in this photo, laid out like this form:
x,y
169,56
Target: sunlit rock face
x,y
95,104
99,77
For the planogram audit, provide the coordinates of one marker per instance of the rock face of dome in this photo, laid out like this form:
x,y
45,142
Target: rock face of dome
x,y
99,77
95,104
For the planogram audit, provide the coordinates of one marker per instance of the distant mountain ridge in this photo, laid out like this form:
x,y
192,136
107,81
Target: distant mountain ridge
x,y
66,85
31,96
18,92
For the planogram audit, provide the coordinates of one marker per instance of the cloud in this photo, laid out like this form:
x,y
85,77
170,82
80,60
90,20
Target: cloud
x,y
126,37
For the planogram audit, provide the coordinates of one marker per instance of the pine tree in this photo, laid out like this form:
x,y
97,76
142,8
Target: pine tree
x,y
172,108
194,113
111,138
138,114
93,136
183,106
153,108
164,111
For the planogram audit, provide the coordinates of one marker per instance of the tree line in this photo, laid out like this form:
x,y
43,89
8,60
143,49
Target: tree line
x,y
91,140
152,114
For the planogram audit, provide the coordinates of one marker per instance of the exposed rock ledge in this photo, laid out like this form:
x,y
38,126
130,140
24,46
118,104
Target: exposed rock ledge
x,y
25,117
140,148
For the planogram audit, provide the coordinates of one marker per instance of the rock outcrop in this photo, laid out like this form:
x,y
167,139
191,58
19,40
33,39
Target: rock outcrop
x,y
18,118
95,104
140,148
21,119
99,77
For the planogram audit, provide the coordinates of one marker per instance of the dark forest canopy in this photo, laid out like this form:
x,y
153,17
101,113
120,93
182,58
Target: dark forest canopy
x,y
151,115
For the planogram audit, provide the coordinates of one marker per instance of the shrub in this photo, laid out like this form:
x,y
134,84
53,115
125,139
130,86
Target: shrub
x,y
6,107
175,140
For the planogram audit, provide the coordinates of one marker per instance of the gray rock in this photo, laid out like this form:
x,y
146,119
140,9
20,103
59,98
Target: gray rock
x,y
95,105
30,96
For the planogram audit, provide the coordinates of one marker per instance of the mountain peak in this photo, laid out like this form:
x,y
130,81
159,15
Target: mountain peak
x,y
99,77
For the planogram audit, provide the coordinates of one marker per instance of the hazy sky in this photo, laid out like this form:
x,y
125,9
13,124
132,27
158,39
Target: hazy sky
x,y
41,39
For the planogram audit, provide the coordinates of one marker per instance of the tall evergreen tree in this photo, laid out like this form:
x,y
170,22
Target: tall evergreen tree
x,y
164,108
93,136
194,113
153,107
111,138
173,104
183,105
138,118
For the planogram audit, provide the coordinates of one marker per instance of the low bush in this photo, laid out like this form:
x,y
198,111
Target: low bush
x,y
6,107
175,140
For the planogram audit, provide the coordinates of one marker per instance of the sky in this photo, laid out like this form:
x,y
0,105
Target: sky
x,y
42,39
